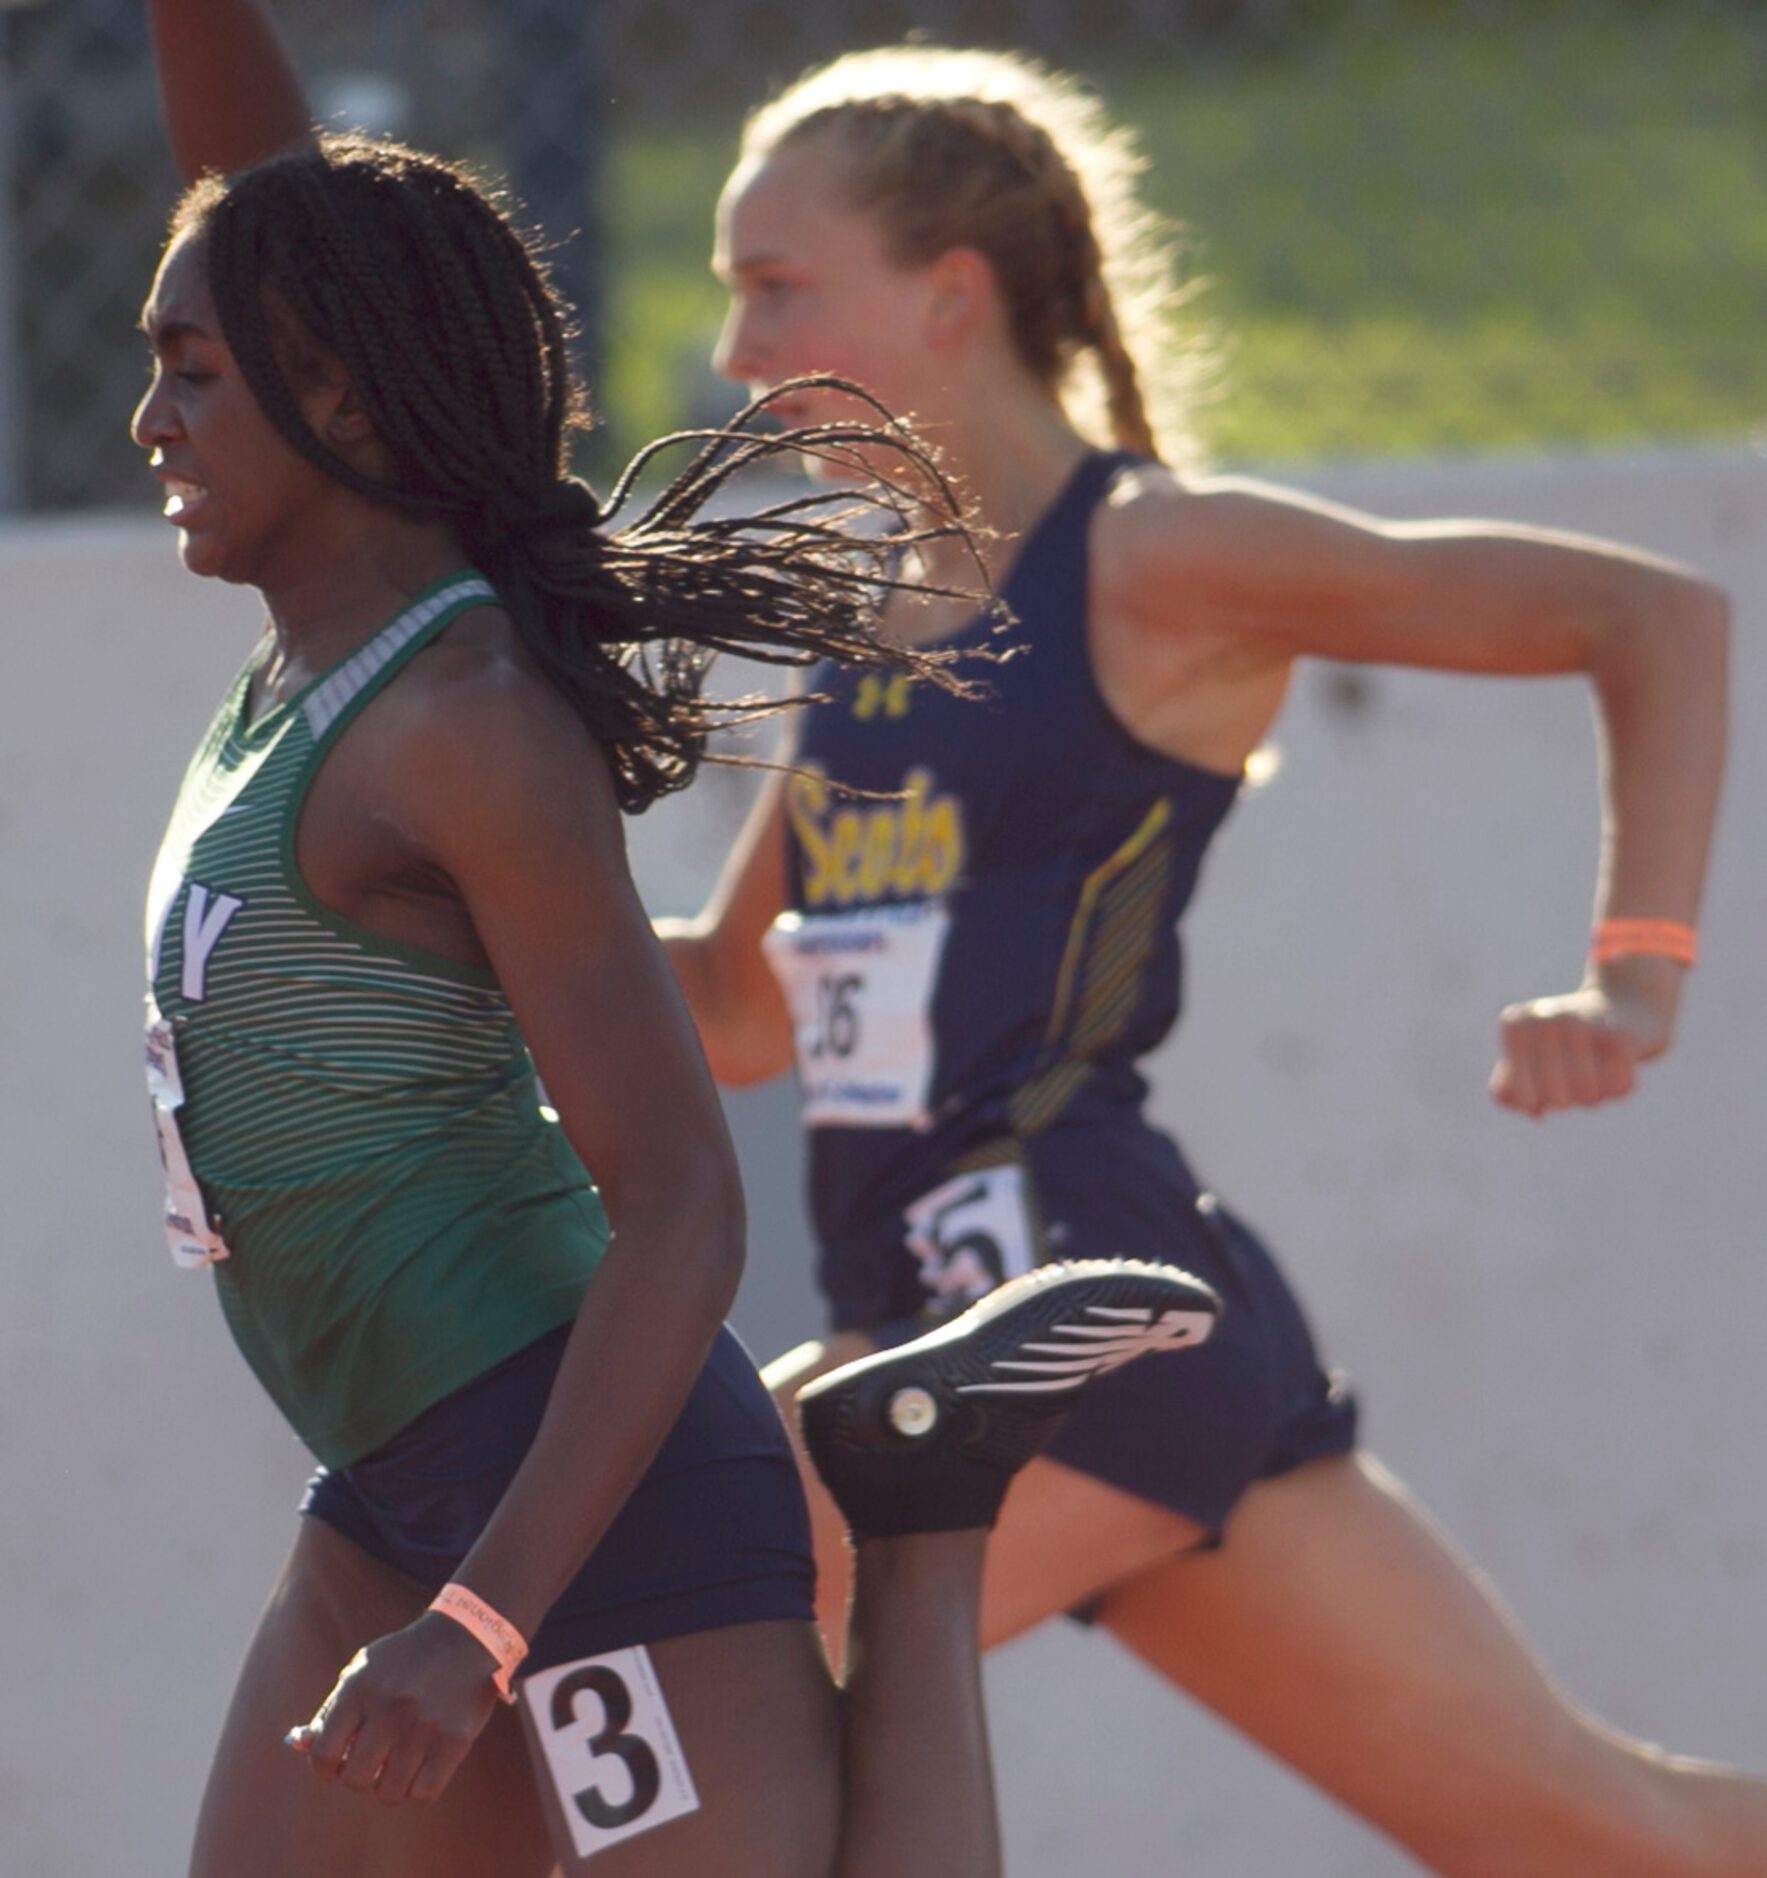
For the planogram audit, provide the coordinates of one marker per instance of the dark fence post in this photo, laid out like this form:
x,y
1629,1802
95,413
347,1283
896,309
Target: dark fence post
x,y
12,339
556,143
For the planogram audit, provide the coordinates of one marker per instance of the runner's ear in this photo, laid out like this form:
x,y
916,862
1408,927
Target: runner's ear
x,y
965,299
340,419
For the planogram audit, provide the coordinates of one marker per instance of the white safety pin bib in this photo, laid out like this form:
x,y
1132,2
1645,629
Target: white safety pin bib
x,y
193,1240
860,986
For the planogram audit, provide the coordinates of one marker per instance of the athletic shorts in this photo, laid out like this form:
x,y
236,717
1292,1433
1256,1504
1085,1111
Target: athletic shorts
x,y
1193,1429
716,1533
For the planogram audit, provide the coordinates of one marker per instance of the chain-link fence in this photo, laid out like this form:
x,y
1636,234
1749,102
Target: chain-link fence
x,y
1422,225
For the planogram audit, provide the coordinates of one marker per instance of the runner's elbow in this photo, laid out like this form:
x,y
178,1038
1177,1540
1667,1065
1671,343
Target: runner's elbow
x,y
696,1214
1699,618
1712,610
755,1054
1675,631
744,1025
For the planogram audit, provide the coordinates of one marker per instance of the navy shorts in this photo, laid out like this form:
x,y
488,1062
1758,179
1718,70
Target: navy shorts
x,y
1192,1430
716,1533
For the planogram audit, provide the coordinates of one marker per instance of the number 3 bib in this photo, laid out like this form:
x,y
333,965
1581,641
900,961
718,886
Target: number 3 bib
x,y
860,986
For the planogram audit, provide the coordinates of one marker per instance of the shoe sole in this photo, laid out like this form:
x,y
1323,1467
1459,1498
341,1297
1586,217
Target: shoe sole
x,y
1035,1341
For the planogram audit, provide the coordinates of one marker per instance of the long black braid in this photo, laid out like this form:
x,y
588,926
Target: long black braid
x,y
419,284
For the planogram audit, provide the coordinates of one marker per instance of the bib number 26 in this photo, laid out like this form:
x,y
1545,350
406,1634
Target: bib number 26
x,y
835,1032
860,985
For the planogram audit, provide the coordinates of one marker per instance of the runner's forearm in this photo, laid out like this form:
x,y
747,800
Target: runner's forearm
x,y
1661,692
640,1340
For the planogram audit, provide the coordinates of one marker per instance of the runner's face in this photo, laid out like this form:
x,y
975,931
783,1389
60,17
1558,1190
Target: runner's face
x,y
237,494
812,290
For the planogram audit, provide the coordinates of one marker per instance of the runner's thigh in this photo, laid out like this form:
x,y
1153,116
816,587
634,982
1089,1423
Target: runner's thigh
x,y
717,1752
267,1814
1340,1631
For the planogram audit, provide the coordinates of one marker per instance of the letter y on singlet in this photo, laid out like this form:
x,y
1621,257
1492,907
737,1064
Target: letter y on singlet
x,y
204,923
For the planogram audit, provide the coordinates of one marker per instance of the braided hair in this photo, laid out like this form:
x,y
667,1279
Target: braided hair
x,y
417,281
994,151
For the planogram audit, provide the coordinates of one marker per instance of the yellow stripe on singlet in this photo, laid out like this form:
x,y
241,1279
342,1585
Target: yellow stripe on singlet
x,y
1113,932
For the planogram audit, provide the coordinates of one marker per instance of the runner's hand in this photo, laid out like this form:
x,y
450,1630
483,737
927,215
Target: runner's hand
x,y
1584,1048
403,1714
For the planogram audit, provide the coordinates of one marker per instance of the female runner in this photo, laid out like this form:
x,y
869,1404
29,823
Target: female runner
x,y
395,865
972,969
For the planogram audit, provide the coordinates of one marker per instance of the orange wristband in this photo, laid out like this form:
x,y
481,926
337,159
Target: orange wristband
x,y
499,1636
1657,938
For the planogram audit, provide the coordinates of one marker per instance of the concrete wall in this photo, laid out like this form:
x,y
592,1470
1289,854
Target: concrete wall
x,y
1555,1327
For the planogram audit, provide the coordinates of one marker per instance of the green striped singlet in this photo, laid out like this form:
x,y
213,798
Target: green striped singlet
x,y
362,1117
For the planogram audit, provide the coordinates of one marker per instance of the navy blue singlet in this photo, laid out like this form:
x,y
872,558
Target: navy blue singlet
x,y
976,958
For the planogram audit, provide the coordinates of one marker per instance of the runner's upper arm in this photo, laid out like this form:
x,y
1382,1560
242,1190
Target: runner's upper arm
x,y
1236,559
505,791
751,890
719,959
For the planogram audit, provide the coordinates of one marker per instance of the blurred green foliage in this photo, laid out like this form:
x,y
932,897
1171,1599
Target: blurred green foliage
x,y
1500,228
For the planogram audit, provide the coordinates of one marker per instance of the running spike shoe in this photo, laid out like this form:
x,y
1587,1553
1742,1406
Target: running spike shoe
x,y
927,1437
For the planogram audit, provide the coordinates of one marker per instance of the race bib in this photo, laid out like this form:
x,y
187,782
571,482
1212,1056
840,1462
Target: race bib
x,y
193,1240
860,986
611,1748
971,1234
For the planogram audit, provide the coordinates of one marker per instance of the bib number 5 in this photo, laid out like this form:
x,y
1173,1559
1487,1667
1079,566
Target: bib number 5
x,y
971,1234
